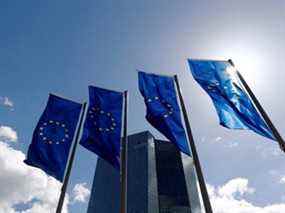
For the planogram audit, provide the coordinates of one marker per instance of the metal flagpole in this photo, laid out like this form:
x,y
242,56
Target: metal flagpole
x,y
260,109
124,157
202,184
70,162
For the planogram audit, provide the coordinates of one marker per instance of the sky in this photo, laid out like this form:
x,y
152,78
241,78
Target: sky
x,y
61,47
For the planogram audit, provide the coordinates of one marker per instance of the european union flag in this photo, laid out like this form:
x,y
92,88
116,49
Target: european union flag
x,y
163,111
233,105
103,124
53,136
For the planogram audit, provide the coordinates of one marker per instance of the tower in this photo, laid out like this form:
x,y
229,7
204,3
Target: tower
x,y
159,180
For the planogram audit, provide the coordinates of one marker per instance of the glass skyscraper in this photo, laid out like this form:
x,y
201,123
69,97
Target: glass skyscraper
x,y
159,180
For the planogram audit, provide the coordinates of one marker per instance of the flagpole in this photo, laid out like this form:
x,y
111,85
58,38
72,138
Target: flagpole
x,y
70,162
260,109
123,175
202,184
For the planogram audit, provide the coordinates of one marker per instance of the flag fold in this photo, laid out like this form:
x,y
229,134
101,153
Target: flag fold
x,y
234,107
163,111
53,136
103,124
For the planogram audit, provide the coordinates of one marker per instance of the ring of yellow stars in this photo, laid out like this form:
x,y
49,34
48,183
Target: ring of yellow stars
x,y
96,111
53,124
168,107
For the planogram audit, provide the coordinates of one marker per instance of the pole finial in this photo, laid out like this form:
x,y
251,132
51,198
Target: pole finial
x,y
282,146
231,62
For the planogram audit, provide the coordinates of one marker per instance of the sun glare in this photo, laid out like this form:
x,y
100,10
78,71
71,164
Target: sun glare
x,y
248,63
231,70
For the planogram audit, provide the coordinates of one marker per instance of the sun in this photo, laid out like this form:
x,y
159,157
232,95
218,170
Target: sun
x,y
249,62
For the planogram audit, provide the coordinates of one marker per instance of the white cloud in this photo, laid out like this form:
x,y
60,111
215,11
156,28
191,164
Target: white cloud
x,y
5,101
230,198
8,134
22,184
232,144
80,192
273,172
234,187
269,150
229,144
282,180
217,139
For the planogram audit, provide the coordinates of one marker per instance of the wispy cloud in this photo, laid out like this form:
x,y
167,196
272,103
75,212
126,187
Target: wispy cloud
x,y
225,143
269,151
217,139
232,144
273,172
282,180
80,193
5,101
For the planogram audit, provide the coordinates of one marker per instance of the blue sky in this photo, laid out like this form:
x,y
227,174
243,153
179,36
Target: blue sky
x,y
63,46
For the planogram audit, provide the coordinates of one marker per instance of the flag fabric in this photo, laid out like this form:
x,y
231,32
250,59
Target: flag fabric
x,y
53,136
103,124
233,105
163,111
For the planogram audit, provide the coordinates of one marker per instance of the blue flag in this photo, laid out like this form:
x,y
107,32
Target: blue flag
x,y
234,107
53,136
163,111
103,124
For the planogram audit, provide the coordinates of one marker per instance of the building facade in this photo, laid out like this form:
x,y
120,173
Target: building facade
x,y
159,180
